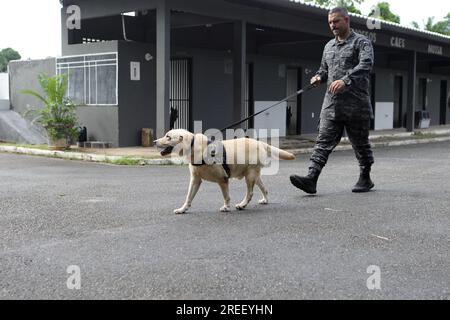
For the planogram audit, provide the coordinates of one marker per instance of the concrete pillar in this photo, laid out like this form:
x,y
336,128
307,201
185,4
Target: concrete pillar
x,y
162,67
411,101
64,31
239,67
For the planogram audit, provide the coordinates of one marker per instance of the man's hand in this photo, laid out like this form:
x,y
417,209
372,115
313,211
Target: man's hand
x,y
316,80
337,87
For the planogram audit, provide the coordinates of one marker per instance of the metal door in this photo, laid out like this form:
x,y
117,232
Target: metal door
x,y
443,113
181,93
294,110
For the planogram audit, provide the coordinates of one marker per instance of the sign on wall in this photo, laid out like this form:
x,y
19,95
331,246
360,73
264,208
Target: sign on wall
x,y
135,69
404,43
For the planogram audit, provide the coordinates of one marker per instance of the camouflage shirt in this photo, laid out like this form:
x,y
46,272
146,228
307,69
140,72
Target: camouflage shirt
x,y
351,61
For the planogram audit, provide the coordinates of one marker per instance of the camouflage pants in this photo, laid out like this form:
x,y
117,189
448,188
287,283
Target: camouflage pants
x,y
330,134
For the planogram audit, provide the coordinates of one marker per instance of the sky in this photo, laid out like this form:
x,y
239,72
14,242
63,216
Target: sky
x,y
32,27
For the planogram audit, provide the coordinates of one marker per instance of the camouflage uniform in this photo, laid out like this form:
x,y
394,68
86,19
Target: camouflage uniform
x,y
350,61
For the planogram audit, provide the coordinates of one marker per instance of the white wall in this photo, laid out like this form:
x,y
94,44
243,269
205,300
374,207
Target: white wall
x,y
4,86
274,118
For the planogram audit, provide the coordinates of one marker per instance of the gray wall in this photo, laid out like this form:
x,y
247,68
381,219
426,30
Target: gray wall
x,y
384,89
102,122
212,88
87,48
448,104
384,85
433,96
270,85
311,101
433,99
24,76
137,99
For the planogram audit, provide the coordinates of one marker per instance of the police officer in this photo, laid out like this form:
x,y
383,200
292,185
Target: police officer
x,y
346,65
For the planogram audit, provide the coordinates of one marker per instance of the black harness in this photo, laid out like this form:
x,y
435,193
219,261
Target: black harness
x,y
216,145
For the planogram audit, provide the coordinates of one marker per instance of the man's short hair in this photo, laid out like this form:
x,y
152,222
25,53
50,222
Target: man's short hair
x,y
341,10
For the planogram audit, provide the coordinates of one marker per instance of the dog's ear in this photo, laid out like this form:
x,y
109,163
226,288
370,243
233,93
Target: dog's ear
x,y
180,138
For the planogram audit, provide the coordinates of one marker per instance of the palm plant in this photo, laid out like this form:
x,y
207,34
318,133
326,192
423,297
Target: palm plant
x,y
442,26
58,117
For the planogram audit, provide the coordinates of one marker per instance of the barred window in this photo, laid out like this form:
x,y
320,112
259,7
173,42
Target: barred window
x,y
92,78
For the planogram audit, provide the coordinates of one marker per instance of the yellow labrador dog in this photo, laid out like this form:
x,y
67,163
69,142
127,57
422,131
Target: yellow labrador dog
x,y
220,161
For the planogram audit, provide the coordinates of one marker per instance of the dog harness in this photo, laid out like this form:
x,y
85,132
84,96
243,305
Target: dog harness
x,y
215,145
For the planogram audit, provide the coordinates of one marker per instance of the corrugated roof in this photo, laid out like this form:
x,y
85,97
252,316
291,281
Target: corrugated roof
x,y
397,25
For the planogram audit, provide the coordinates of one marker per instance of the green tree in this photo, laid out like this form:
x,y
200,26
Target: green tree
x,y
383,11
350,5
442,26
7,55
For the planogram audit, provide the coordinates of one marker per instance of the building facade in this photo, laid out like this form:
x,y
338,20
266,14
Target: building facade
x,y
166,63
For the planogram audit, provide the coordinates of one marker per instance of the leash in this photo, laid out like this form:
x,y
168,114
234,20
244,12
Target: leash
x,y
303,90
224,163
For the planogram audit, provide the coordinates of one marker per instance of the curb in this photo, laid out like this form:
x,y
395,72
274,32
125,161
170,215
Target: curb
x,y
87,157
180,161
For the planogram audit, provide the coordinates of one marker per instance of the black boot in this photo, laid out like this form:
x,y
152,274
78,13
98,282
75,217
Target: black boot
x,y
364,183
309,183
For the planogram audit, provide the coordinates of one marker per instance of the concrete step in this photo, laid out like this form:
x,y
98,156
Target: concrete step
x,y
95,145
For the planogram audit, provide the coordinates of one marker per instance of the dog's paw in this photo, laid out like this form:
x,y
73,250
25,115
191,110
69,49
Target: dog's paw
x,y
240,207
180,211
225,209
263,201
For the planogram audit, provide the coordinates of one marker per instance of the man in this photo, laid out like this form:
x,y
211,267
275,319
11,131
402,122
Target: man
x,y
346,65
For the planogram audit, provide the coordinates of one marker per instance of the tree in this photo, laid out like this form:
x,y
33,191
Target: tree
x,y
350,5
7,55
383,11
442,26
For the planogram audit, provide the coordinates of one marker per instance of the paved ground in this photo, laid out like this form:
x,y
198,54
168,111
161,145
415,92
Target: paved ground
x,y
117,225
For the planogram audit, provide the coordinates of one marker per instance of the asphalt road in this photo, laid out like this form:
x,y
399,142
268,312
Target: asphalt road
x,y
116,224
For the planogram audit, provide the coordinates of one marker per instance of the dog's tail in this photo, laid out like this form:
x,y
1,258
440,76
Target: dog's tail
x,y
278,153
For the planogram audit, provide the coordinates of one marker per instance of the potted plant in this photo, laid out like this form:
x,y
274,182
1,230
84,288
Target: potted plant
x,y
58,116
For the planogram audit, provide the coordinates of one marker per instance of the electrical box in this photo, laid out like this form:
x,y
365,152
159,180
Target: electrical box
x,y
384,115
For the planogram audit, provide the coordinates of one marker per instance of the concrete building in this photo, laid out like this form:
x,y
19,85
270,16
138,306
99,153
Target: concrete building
x,y
130,62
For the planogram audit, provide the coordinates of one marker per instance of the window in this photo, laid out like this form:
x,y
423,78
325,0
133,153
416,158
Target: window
x,y
92,78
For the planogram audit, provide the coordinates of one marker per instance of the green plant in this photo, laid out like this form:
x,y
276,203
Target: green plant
x,y
384,10
442,26
58,117
350,5
125,161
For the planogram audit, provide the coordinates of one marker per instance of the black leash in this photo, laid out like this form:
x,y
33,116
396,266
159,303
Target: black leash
x,y
224,155
307,88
